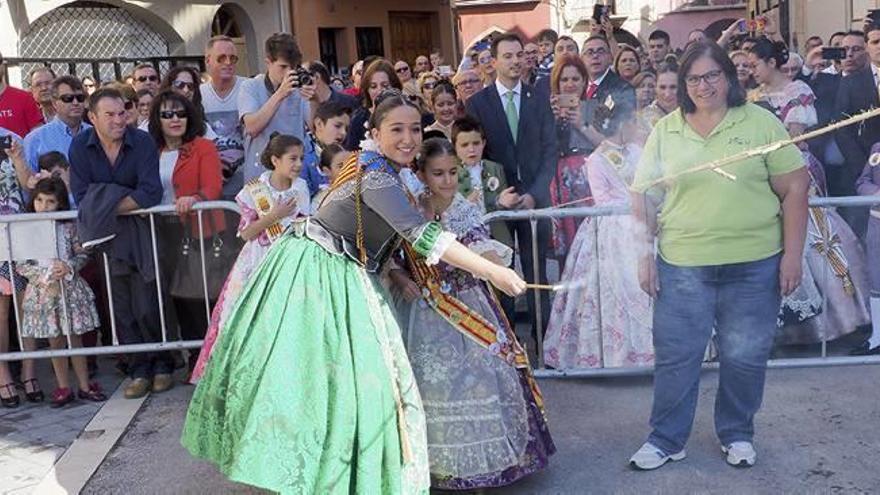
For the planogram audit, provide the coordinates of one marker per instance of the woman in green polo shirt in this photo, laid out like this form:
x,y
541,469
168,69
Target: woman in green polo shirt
x,y
730,245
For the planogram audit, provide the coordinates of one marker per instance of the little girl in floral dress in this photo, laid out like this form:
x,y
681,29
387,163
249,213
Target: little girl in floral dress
x,y
268,205
58,304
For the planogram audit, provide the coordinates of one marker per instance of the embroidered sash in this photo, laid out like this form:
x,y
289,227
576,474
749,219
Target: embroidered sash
x,y
467,321
264,203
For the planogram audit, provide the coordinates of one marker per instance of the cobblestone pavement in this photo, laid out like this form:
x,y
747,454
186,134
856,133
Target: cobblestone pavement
x,y
33,436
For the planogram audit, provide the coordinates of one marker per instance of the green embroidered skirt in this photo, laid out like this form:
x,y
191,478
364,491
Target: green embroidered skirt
x,y
309,389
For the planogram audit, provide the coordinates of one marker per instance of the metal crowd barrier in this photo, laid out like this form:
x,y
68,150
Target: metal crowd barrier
x,y
43,225
32,236
533,216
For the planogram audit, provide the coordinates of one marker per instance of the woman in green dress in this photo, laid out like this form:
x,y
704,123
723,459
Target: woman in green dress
x,y
309,389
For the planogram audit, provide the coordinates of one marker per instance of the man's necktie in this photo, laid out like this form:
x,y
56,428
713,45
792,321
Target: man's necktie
x,y
591,90
512,115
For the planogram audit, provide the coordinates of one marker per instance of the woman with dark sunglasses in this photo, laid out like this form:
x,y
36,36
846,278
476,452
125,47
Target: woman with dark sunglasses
x,y
189,168
185,81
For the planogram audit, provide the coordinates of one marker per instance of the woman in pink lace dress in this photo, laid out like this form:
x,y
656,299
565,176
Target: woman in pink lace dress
x,y
604,319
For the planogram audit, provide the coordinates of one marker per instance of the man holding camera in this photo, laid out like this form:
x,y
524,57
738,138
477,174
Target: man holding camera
x,y
277,101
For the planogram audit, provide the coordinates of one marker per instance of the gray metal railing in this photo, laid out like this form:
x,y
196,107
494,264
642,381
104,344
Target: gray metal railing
x,y
533,216
10,225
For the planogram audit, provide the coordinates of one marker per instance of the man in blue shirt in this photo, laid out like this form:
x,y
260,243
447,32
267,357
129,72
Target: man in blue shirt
x,y
113,153
68,99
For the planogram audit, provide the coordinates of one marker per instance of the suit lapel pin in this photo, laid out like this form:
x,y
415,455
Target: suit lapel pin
x,y
492,184
874,159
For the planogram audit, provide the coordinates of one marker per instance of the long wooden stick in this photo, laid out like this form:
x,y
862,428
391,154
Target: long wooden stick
x,y
576,201
762,150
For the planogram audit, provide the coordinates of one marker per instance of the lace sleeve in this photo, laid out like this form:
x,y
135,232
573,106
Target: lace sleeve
x,y
248,210
491,246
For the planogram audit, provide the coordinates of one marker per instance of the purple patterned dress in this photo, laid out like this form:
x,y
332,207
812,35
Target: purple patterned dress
x,y
485,426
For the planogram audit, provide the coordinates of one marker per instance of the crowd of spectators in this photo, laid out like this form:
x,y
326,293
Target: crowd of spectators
x,y
525,117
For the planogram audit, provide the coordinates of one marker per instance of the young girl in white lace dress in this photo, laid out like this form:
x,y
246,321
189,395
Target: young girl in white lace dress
x,y
268,205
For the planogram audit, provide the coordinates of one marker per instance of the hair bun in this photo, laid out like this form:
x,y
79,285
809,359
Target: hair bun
x,y
781,51
388,93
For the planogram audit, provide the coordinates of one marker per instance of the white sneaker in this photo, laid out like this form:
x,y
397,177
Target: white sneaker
x,y
650,457
740,454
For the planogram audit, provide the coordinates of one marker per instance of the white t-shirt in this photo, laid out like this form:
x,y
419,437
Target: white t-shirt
x,y
167,162
222,115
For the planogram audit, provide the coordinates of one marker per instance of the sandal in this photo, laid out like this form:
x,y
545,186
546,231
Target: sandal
x,y
94,393
36,393
13,400
61,397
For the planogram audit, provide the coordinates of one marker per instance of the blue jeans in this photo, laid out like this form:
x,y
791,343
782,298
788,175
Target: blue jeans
x,y
741,302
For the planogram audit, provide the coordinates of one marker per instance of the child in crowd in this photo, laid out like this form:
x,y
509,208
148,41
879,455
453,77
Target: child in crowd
x,y
444,105
330,124
486,425
53,164
481,181
268,205
332,158
58,304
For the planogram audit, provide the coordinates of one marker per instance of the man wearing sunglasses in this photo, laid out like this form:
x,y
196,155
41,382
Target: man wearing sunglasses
x,y
145,76
220,101
68,101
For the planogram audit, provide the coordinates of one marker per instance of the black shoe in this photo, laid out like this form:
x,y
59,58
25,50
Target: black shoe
x,y
13,400
36,393
864,350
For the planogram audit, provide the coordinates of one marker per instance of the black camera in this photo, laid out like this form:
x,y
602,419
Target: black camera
x,y
5,142
302,77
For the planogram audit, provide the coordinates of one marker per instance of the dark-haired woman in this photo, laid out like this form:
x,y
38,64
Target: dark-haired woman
x,y
604,320
665,96
185,81
378,77
309,388
627,64
189,168
486,425
444,104
834,265
730,245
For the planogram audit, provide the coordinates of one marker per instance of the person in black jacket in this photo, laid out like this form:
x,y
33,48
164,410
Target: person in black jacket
x,y
604,83
857,93
520,135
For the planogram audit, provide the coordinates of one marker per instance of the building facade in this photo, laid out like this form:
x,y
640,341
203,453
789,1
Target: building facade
x,y
334,31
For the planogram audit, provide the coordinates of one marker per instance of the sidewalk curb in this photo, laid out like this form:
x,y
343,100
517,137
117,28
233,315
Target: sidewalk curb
x,y
80,461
